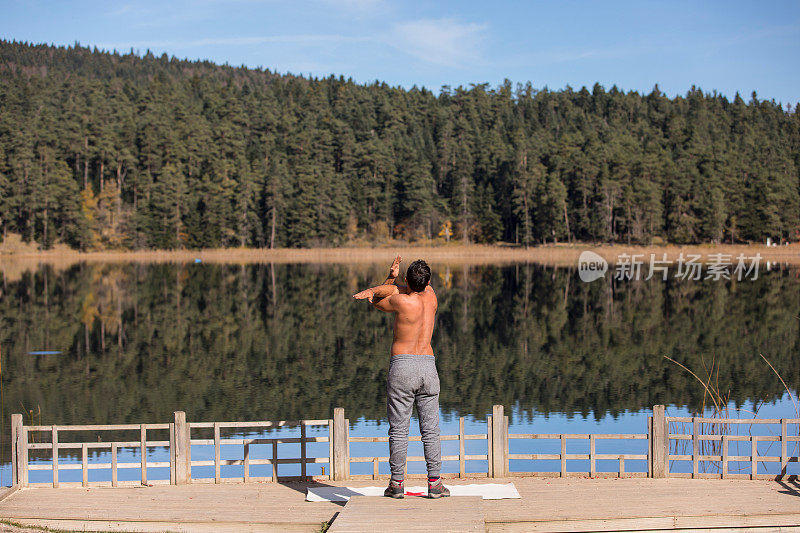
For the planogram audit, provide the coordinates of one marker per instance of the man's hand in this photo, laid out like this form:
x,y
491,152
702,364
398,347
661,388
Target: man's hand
x,y
367,293
394,270
381,295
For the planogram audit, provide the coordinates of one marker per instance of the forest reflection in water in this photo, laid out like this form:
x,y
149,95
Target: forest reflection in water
x,y
261,341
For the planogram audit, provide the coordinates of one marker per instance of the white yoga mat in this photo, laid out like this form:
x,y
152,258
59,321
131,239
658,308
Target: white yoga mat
x,y
488,491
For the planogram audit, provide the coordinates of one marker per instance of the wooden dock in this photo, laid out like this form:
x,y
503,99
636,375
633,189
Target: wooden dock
x,y
458,514
202,493
557,504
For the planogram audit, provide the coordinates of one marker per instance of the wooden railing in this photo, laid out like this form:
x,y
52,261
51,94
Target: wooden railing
x,y
179,445
711,442
20,453
708,447
498,457
592,456
462,456
246,462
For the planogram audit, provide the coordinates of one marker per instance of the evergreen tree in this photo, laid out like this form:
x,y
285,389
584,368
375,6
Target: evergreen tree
x,y
170,153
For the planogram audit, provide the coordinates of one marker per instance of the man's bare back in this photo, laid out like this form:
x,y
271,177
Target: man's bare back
x,y
414,312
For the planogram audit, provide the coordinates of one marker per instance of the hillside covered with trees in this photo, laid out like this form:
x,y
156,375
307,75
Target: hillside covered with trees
x,y
104,150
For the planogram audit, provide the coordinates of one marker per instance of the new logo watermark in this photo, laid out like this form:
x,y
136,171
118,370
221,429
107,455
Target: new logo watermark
x,y
591,266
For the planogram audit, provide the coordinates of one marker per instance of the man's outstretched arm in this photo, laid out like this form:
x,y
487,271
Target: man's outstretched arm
x,y
379,296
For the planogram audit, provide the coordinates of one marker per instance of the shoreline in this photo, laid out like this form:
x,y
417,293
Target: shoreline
x,y
551,255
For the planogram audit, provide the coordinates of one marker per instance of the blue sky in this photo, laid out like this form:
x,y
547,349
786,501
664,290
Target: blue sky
x,y
726,46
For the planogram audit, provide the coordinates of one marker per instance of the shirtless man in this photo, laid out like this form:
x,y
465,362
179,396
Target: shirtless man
x,y
412,371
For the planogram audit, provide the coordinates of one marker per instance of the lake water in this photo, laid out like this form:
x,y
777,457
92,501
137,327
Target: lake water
x,y
286,341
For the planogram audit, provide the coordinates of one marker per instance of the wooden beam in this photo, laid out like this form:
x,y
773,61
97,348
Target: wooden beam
x,y
16,459
113,464
54,440
649,449
246,463
182,466
172,464
499,467
216,453
461,470
341,446
489,446
23,455
695,447
84,465
784,460
659,443
143,448
505,447
724,457
330,450
274,461
303,451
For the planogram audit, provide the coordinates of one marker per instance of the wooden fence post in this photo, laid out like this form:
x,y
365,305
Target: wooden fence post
x,y
143,458
461,448
16,450
303,450
172,467
724,456
695,447
84,465
217,476
54,443
659,443
182,465
784,458
489,453
505,449
499,440
341,446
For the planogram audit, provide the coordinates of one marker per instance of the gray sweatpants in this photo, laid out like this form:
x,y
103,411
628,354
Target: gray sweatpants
x,y
413,379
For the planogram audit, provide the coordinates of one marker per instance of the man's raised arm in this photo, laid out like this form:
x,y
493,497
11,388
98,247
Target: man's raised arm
x,y
394,271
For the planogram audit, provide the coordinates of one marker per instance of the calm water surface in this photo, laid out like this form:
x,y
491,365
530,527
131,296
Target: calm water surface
x,y
260,341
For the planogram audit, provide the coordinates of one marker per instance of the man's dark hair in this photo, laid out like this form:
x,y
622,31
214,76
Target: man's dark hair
x,y
418,275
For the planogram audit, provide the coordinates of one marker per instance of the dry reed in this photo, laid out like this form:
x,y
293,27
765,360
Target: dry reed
x,y
720,410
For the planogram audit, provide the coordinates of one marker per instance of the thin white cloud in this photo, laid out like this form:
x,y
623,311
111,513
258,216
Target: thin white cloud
x,y
563,55
357,5
235,41
121,10
760,34
442,42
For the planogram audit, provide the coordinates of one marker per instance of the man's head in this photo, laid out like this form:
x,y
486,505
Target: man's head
x,y
418,275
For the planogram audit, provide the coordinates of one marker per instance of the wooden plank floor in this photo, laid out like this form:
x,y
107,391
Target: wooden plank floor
x,y
573,504
578,504
200,507
456,514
